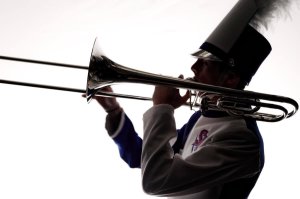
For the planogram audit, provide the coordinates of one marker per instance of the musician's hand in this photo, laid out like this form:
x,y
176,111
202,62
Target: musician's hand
x,y
169,95
109,104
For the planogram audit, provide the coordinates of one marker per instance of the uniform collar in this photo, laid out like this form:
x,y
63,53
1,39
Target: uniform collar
x,y
214,113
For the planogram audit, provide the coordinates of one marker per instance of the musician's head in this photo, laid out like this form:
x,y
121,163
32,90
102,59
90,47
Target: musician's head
x,y
238,64
241,61
235,46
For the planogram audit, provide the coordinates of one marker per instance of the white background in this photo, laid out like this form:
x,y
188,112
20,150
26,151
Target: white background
x,y
53,144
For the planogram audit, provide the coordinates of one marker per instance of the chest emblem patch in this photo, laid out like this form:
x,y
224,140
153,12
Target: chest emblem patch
x,y
199,139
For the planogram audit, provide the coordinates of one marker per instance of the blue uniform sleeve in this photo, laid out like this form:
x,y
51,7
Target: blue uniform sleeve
x,y
130,144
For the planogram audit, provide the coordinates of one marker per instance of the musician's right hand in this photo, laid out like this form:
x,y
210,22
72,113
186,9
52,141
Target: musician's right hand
x,y
169,95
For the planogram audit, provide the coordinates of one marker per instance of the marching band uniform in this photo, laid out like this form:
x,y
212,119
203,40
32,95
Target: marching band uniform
x,y
214,155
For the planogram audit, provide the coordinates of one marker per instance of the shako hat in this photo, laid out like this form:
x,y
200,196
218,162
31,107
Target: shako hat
x,y
236,43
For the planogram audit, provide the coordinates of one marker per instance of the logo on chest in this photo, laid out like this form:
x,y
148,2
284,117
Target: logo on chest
x,y
199,139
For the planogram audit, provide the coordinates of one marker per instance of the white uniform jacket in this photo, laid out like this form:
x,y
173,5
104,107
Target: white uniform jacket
x,y
213,156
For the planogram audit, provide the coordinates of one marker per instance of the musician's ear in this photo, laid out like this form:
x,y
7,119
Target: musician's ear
x,y
232,80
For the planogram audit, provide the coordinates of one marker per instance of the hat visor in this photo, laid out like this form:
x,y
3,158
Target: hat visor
x,y
203,54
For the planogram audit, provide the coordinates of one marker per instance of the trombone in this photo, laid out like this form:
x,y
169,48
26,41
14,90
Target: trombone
x,y
103,72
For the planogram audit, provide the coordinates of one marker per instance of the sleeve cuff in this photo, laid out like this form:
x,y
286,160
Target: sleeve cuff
x,y
121,124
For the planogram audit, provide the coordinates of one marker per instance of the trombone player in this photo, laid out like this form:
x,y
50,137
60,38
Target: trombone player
x,y
214,155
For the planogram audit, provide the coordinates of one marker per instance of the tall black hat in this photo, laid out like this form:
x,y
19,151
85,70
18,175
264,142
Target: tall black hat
x,y
236,43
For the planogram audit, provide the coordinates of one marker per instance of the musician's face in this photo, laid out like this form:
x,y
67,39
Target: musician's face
x,y
207,72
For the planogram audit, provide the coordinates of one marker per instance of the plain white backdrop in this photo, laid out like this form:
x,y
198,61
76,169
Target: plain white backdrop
x,y
53,144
